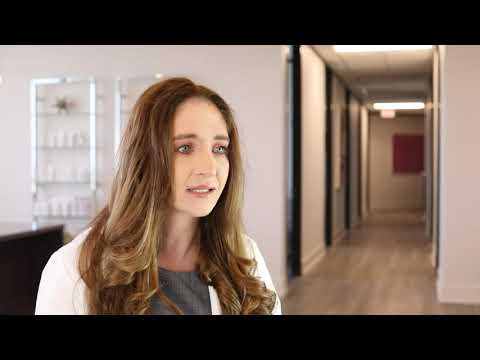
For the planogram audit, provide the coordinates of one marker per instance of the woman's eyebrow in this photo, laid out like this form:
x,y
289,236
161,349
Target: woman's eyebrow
x,y
194,136
222,137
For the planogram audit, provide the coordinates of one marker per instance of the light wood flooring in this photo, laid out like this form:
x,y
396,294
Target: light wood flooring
x,y
383,267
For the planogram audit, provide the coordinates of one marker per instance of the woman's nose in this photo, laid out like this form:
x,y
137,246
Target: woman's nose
x,y
206,164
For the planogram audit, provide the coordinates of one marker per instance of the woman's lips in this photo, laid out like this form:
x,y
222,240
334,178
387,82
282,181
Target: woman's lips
x,y
203,194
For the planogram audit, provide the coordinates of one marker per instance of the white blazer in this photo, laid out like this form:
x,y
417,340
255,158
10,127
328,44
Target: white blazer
x,y
62,291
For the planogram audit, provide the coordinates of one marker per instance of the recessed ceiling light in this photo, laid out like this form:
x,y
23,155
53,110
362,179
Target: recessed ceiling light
x,y
399,106
375,48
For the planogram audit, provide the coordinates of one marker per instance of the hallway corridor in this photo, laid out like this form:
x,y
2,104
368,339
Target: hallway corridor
x,y
384,267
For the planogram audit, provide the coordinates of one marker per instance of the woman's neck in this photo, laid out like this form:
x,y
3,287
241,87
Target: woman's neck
x,y
180,248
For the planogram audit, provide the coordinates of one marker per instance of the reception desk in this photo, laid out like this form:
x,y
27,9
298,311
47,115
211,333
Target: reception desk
x,y
24,252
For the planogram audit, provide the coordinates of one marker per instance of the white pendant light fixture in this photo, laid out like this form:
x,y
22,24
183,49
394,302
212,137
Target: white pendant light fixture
x,y
399,106
378,48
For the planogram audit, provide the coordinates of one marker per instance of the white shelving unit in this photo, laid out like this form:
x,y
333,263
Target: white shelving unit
x,y
64,151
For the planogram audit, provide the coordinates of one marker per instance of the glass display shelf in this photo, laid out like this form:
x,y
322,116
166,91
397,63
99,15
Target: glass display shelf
x,y
43,98
65,183
43,147
67,114
60,217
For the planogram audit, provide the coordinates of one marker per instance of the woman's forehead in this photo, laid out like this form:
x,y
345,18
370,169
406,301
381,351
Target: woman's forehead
x,y
200,117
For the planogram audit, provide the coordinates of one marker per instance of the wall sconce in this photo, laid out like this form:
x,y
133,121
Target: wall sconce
x,y
387,114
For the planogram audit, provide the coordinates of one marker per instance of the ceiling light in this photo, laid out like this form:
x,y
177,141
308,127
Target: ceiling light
x,y
158,75
375,48
399,106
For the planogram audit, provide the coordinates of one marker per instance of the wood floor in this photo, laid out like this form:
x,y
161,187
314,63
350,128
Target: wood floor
x,y
384,267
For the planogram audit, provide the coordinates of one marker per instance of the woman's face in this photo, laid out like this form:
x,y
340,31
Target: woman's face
x,y
201,165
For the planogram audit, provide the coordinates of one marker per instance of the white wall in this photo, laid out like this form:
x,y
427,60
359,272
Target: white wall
x,y
364,167
313,157
429,148
389,191
459,267
249,77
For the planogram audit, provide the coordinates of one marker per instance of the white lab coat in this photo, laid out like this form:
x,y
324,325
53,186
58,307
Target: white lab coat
x,y
62,291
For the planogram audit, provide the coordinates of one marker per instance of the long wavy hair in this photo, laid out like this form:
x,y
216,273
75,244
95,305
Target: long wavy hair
x,y
118,259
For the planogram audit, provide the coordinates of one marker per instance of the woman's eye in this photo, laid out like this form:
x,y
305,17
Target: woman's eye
x,y
221,149
183,148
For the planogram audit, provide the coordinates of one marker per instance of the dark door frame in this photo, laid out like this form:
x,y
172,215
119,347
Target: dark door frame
x,y
348,130
439,124
328,157
294,189
295,156
359,159
329,186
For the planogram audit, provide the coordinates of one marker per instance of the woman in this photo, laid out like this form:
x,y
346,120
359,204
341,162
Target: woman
x,y
170,240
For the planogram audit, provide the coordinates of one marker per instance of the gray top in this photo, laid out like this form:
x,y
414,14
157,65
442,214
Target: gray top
x,y
186,290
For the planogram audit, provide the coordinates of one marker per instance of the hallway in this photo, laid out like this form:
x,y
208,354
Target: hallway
x,y
384,267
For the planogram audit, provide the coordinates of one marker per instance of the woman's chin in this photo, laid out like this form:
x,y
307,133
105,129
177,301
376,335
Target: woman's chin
x,y
197,213
202,213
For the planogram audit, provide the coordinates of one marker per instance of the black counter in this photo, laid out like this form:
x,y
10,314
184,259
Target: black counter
x,y
24,252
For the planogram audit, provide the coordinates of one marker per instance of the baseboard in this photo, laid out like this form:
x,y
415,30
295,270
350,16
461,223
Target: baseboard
x,y
313,259
282,290
455,294
356,225
339,236
394,210
308,264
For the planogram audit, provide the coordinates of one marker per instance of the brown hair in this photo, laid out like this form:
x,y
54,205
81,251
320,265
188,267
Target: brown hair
x,y
118,260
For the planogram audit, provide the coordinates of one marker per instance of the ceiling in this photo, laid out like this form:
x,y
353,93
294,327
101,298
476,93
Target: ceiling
x,y
382,76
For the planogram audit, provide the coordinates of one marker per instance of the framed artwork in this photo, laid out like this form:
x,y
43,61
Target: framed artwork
x,y
408,154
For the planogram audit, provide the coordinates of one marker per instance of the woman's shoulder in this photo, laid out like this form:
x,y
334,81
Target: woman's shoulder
x,y
251,246
61,289
254,253
261,269
72,248
67,256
